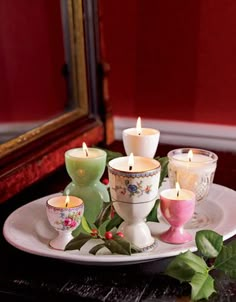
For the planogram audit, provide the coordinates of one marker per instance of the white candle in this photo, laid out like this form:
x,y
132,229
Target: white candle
x,y
63,202
141,164
141,141
172,194
85,152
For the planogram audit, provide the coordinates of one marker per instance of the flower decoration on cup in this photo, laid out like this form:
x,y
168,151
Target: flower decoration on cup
x,y
64,214
134,189
141,141
177,207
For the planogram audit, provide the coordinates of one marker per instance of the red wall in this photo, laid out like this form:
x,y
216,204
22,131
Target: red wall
x,y
172,59
31,57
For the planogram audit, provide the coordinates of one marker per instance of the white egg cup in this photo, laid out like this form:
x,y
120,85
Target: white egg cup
x,y
134,195
143,144
64,219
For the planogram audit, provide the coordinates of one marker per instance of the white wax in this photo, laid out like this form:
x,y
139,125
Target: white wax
x,y
197,158
80,153
144,131
183,194
141,164
60,202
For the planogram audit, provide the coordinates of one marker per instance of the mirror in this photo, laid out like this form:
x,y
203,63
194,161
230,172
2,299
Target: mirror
x,y
36,153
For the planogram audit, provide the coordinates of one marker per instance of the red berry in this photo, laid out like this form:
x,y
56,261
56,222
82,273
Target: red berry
x,y
108,235
120,234
105,181
94,232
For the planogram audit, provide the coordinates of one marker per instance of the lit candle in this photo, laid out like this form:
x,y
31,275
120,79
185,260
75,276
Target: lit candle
x,y
64,214
193,168
141,141
64,202
177,206
86,166
134,184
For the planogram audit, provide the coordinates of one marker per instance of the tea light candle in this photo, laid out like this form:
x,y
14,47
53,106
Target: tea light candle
x,y
141,141
64,202
86,166
64,214
193,168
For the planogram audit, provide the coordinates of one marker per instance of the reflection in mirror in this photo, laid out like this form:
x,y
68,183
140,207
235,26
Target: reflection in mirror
x,y
36,55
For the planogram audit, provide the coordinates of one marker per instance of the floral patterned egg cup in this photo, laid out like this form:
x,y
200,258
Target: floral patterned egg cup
x,y
64,217
134,194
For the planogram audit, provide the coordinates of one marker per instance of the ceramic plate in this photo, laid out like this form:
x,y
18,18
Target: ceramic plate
x,y
27,229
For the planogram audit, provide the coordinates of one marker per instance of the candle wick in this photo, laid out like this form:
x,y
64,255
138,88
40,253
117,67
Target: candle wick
x,y
177,193
189,159
86,152
66,204
130,168
139,133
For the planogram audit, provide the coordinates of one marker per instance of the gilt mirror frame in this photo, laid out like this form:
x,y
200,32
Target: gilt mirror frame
x,y
35,154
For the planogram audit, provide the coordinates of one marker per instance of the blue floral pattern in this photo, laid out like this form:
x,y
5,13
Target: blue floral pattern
x,y
137,188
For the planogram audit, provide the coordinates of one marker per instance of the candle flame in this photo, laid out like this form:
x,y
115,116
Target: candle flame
x,y
138,126
67,201
190,155
177,186
131,161
85,149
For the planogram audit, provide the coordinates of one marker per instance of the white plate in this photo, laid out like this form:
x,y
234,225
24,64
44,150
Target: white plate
x,y
27,229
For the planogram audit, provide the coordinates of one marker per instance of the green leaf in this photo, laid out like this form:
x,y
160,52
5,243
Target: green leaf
x,y
104,214
77,242
114,222
164,168
152,216
102,229
111,155
185,265
226,260
96,248
85,225
118,245
209,243
202,286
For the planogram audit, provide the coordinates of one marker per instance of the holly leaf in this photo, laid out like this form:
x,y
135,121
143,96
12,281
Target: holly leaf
x,y
118,245
164,168
202,286
96,248
104,214
77,242
226,260
85,225
185,265
209,243
114,222
152,216
102,229
111,155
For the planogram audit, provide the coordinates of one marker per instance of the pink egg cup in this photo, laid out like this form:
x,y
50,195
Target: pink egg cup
x,y
177,213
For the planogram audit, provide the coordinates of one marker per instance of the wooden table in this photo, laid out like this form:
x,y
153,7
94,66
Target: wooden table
x,y
26,277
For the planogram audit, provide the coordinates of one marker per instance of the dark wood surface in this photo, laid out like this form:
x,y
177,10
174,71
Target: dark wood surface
x,y
26,277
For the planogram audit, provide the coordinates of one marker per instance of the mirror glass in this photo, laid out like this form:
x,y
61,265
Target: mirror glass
x,y
38,79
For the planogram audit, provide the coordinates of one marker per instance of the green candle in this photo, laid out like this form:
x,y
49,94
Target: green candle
x,y
85,166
